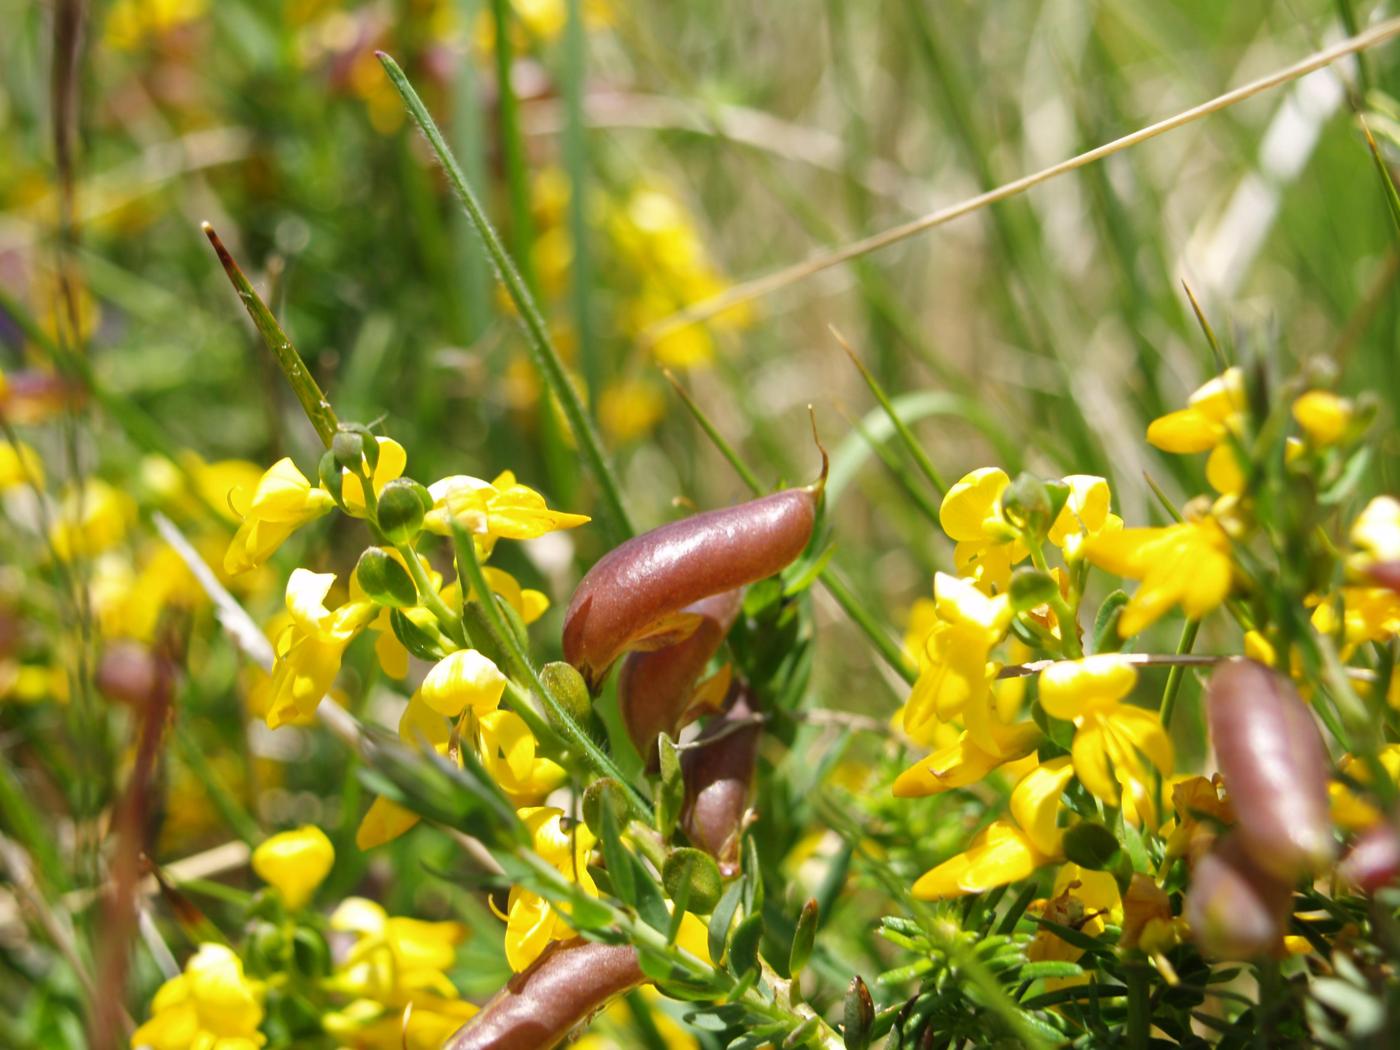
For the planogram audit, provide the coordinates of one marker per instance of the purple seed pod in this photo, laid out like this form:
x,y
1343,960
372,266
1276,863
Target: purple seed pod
x,y
655,688
1275,768
1235,909
1374,858
718,773
635,597
562,989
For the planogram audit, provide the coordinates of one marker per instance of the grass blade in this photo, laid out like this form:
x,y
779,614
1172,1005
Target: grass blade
x,y
536,334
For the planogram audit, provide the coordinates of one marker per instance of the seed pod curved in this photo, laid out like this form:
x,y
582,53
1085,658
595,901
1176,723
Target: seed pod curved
x,y
562,989
1236,910
655,688
1275,768
636,595
718,773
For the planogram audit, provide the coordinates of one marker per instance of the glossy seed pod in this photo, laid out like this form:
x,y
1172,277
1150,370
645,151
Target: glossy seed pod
x,y
562,989
1235,909
718,774
1374,858
636,595
655,688
1275,768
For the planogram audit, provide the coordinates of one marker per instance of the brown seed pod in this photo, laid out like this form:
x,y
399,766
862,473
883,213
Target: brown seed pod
x,y
636,596
562,989
1235,909
656,689
1374,858
718,772
1275,768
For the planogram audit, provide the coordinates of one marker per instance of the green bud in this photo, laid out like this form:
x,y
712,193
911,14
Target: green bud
x,y
670,791
329,473
1106,637
400,511
1090,845
264,948
693,876
858,1016
605,793
384,580
567,686
348,450
1031,587
313,957
1027,505
369,447
803,939
418,632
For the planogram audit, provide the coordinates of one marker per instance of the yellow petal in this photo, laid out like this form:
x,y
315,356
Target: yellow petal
x,y
1185,431
1119,749
971,502
1323,416
383,822
294,863
1072,688
1035,803
460,680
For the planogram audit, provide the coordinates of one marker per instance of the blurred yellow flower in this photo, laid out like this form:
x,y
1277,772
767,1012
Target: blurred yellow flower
x,y
1205,421
1081,900
1323,416
19,465
92,518
210,1006
1007,850
281,503
295,863
1187,564
460,680
629,409
309,651
1375,534
531,923
131,23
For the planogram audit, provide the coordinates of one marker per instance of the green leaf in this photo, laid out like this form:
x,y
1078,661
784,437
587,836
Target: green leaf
x,y
722,918
670,790
1034,971
743,946
803,938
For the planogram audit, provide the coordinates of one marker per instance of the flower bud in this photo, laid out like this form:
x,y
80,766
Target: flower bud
x,y
1275,768
348,449
1027,505
567,686
1031,587
401,510
858,1016
384,580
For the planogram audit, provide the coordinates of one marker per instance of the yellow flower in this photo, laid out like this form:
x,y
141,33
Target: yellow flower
x,y
393,964
309,651
419,727
294,863
1369,614
131,23
91,519
19,465
503,509
507,750
1323,416
531,923
1350,810
460,680
1205,421
1081,901
211,1006
1007,850
629,409
282,502
955,674
1085,513
392,460
964,763
1375,534
1116,746
986,544
1187,564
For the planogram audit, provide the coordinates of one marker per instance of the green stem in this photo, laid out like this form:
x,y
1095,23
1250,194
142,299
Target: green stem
x,y
432,601
1069,623
520,668
303,384
1189,631
536,334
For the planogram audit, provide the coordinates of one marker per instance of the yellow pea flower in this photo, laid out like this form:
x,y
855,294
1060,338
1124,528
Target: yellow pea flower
x,y
460,680
1186,564
955,674
392,461
531,923
1368,614
629,409
1007,850
1323,416
964,762
528,604
91,519
1205,421
1116,746
210,1005
491,510
295,863
20,466
507,750
1350,810
986,545
1085,513
1375,534
309,651
1080,900
282,502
